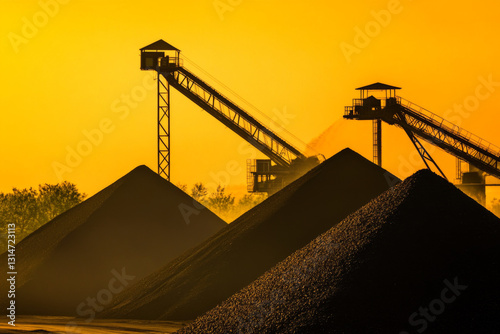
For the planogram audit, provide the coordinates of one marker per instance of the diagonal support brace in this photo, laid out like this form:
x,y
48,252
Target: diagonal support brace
x,y
424,154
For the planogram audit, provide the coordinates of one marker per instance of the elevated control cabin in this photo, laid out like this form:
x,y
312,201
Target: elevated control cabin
x,y
372,101
160,56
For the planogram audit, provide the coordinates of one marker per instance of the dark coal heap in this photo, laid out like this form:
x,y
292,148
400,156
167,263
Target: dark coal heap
x,y
128,230
237,255
422,257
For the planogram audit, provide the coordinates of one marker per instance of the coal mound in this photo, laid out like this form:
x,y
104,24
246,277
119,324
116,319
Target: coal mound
x,y
422,257
120,235
237,255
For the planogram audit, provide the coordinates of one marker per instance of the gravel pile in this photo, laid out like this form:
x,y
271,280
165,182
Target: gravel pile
x,y
237,255
422,257
116,237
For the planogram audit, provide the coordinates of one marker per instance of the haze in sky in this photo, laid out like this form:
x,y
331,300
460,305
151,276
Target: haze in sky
x,y
75,105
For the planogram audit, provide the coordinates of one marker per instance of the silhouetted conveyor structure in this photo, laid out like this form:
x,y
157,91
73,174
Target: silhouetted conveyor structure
x,y
428,126
234,117
262,175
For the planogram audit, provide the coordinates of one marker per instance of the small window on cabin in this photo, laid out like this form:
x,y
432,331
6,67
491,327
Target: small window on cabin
x,y
149,62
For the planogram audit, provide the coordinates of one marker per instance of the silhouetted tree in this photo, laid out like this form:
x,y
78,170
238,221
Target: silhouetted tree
x,y
55,199
199,192
495,206
182,187
221,202
29,209
21,208
248,201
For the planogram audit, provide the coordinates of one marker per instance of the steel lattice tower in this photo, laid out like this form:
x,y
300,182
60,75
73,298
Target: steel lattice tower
x,y
163,127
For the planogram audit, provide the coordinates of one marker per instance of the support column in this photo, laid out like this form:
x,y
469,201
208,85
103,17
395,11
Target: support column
x,y
163,127
459,170
377,142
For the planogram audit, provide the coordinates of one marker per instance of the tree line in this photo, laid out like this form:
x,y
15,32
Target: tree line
x,y
221,202
31,208
495,206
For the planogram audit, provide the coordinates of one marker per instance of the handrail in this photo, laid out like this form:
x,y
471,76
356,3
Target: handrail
x,y
177,61
442,123
235,118
450,137
246,115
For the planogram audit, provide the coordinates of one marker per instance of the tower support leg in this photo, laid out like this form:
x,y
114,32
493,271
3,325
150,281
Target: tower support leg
x,y
459,170
377,142
163,127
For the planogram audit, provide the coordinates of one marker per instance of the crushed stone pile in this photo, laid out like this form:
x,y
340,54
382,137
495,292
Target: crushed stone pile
x,y
422,257
233,258
100,247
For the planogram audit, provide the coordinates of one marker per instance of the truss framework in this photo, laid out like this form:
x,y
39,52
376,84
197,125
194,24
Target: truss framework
x,y
453,139
163,128
277,149
377,142
426,157
419,122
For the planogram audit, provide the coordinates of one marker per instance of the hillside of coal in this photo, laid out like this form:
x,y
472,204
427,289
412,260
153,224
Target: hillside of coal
x,y
100,247
237,255
422,257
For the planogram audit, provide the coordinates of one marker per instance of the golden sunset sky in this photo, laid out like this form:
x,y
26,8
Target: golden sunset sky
x,y
71,67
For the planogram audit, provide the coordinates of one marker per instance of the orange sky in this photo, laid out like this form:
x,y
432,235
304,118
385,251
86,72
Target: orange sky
x,y
67,65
